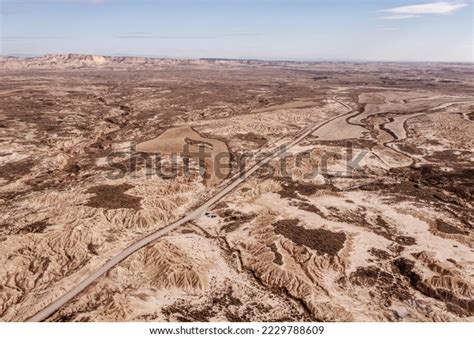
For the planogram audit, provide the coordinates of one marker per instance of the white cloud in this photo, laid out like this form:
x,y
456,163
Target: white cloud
x,y
400,16
414,11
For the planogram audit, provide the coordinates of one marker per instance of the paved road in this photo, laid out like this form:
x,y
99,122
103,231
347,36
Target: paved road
x,y
58,303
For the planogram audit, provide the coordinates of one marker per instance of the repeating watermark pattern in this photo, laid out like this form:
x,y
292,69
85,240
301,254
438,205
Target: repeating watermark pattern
x,y
219,165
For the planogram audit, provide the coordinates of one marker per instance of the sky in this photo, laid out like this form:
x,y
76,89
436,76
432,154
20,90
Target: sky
x,y
304,30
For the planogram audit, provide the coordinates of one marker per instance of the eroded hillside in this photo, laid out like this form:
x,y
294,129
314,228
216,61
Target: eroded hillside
x,y
368,218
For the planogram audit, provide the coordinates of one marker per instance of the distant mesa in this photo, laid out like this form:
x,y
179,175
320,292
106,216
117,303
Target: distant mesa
x,y
79,61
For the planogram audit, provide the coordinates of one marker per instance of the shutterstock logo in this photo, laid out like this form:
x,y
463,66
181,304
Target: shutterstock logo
x,y
216,167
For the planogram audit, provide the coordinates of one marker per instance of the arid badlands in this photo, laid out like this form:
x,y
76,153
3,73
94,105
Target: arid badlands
x,y
136,189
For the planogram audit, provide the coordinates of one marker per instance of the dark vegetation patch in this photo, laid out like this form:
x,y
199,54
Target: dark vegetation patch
x,y
294,189
380,254
405,240
317,78
221,302
113,197
380,226
452,261
50,179
433,142
356,217
31,109
291,188
186,313
459,182
72,167
428,183
409,149
449,81
387,231
287,222
7,228
321,240
66,318
449,156
352,144
188,231
397,249
35,227
32,228
234,219
370,276
449,191
200,143
309,207
448,228
460,306
15,170
92,248
278,257
254,138
384,284
221,205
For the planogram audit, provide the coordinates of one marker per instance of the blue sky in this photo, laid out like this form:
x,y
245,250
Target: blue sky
x,y
385,30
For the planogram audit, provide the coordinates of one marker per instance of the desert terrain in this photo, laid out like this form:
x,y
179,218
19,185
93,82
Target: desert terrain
x,y
135,189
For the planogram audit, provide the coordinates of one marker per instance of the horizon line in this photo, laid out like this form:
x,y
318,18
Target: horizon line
x,y
294,60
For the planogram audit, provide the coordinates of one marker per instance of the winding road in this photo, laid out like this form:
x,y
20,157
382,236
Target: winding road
x,y
331,126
